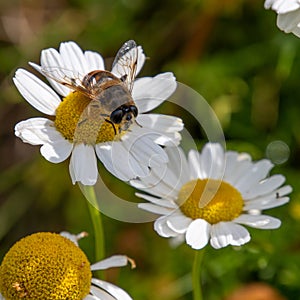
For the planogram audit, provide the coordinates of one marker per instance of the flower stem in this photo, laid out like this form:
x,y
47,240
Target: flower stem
x,y
95,214
197,289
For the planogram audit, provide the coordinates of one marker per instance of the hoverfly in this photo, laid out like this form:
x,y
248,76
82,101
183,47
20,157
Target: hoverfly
x,y
110,94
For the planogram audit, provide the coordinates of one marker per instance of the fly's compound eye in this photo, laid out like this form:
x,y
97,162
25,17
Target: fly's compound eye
x,y
134,110
116,116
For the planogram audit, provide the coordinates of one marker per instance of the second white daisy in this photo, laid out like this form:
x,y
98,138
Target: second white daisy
x,y
208,197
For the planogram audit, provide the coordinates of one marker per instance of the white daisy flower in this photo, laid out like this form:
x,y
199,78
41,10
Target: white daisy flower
x,y
288,11
51,266
207,197
126,143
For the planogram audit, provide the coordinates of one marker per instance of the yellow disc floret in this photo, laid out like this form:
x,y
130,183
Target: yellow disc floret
x,y
82,120
225,202
45,266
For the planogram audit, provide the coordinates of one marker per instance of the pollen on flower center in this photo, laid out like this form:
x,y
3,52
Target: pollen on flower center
x,y
226,202
81,120
45,266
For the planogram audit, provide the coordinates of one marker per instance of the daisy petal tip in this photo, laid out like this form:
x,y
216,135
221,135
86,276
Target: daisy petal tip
x,y
17,129
243,240
195,245
87,181
35,66
278,225
19,75
198,234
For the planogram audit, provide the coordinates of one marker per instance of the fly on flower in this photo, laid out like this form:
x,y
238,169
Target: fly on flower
x,y
110,95
96,113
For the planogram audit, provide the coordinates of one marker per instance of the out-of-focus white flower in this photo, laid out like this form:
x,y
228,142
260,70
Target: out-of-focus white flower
x,y
288,11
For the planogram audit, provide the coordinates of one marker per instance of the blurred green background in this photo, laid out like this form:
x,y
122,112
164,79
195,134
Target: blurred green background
x,y
232,53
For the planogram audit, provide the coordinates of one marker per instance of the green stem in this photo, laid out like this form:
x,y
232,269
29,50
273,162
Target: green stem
x,y
95,214
197,289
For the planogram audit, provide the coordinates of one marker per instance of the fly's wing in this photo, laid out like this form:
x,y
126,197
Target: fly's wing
x,y
94,114
69,78
125,63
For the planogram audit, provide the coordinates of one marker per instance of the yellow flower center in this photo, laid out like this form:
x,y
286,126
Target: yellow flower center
x,y
224,202
45,266
81,120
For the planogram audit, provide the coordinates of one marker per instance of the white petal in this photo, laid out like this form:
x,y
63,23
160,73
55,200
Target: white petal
x,y
36,131
115,158
112,289
111,262
237,164
36,92
160,123
282,6
228,233
73,57
179,223
147,139
150,92
57,151
161,202
94,61
255,174
161,227
142,149
273,199
212,161
178,164
198,233
284,190
266,186
91,297
265,203
100,294
138,166
73,237
289,22
83,165
258,221
50,58
165,182
156,184
194,164
165,128
156,187
145,151
159,210
123,159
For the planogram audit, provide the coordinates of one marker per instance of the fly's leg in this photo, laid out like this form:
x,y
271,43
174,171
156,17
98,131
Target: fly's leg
x,y
112,124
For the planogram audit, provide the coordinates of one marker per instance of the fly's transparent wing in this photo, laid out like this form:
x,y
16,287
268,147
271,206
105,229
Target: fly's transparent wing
x,y
127,46
125,63
71,79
